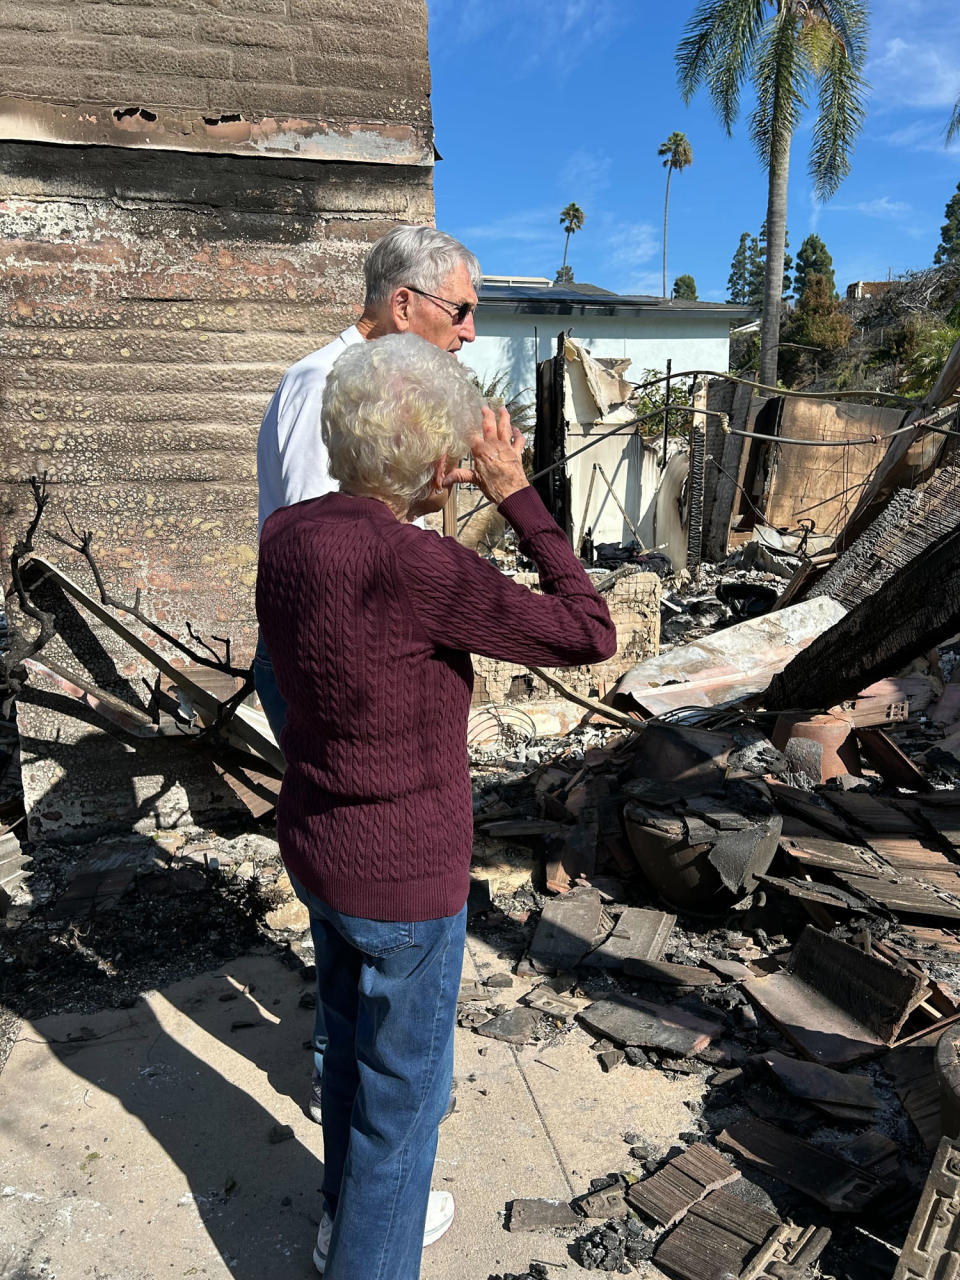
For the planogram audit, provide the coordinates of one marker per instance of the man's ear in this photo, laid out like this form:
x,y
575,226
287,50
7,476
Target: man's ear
x,y
401,301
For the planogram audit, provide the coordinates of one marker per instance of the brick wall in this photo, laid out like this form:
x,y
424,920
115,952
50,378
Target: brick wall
x,y
634,604
148,311
330,79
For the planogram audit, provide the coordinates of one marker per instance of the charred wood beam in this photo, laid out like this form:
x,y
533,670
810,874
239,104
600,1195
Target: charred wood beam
x,y
13,672
912,612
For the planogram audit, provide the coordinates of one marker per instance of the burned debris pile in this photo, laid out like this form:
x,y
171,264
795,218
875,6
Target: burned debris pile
x,y
741,869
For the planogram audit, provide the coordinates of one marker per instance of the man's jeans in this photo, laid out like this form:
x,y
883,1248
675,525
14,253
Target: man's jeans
x,y
275,709
390,1001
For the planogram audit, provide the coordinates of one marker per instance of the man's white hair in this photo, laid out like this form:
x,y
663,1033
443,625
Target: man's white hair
x,y
392,407
419,256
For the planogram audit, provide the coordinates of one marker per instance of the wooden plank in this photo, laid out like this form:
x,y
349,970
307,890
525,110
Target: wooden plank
x,y
820,481
894,766
818,1173
873,814
915,610
802,805
242,728
827,854
903,897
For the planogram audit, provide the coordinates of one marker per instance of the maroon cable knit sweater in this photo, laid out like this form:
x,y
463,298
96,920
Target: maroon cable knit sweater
x,y
370,623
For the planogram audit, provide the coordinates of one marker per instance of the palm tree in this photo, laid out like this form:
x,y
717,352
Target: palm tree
x,y
573,219
953,128
785,48
676,154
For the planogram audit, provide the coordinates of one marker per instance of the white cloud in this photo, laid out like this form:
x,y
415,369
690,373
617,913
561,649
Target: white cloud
x,y
626,253
586,173
924,135
632,243
529,227
916,72
881,207
539,34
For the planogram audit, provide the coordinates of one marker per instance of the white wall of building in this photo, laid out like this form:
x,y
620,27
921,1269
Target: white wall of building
x,y
514,344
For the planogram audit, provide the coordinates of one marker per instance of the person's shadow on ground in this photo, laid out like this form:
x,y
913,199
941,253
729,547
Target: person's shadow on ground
x,y
215,1071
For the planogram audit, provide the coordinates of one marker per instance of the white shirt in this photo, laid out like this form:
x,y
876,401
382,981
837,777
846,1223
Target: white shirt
x,y
291,456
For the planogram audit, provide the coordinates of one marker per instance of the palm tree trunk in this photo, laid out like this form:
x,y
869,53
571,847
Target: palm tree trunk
x,y
773,272
566,245
666,205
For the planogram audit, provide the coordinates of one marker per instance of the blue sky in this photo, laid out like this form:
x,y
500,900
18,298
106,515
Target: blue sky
x,y
539,102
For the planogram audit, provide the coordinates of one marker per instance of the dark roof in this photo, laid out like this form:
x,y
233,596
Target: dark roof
x,y
577,287
584,299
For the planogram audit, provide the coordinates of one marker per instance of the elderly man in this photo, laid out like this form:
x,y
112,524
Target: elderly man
x,y
418,280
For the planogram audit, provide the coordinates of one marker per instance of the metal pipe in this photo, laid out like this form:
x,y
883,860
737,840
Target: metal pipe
x,y
666,416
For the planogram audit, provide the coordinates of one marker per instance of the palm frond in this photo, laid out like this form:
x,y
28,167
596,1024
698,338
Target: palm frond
x,y
780,77
842,93
953,128
744,22
849,20
716,50
695,52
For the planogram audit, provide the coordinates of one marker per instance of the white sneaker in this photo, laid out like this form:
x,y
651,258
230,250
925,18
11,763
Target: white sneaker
x,y
440,1211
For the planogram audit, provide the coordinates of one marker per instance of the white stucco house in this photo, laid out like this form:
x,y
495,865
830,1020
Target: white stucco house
x,y
519,318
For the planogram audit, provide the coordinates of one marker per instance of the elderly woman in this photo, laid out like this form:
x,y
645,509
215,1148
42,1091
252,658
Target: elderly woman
x,y
370,621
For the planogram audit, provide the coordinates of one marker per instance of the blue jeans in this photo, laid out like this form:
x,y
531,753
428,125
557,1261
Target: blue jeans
x,y
275,709
390,1002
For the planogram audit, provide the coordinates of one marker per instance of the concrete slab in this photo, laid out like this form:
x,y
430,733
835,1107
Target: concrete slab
x,y
136,1144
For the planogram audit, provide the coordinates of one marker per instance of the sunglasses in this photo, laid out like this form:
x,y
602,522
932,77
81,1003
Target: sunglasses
x,y
460,309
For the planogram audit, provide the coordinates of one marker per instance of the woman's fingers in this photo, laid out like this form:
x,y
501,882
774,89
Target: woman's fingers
x,y
489,423
459,475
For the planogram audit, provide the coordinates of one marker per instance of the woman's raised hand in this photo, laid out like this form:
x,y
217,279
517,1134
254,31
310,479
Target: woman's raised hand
x,y
497,466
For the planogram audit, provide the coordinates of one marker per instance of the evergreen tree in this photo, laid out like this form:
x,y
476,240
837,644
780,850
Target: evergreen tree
x,y
737,280
756,268
564,275
813,259
685,287
787,259
948,250
818,320
817,326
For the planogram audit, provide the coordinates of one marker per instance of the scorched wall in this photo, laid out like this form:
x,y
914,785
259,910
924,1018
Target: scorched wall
x,y
156,284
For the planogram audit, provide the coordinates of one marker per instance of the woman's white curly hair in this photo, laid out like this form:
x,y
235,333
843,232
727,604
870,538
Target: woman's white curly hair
x,y
392,407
